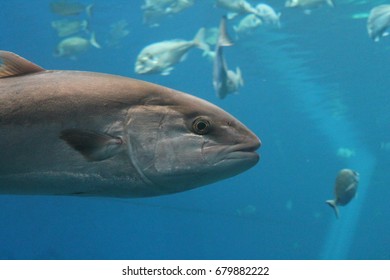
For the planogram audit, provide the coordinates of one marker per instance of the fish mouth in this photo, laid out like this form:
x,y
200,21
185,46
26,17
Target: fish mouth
x,y
139,69
244,152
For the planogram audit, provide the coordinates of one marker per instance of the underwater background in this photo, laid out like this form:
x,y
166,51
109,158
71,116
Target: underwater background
x,y
316,93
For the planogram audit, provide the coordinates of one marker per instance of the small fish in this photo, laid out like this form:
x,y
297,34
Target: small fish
x,y
82,133
234,80
225,81
345,152
118,31
378,22
247,25
268,14
236,7
65,27
155,10
162,56
73,46
65,8
306,4
345,189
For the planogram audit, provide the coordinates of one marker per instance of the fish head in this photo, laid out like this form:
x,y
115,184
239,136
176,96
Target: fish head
x,y
185,142
147,63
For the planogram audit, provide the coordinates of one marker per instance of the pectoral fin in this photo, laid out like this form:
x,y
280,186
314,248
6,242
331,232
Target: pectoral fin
x,y
94,146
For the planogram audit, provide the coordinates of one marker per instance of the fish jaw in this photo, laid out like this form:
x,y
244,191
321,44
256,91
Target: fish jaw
x,y
236,158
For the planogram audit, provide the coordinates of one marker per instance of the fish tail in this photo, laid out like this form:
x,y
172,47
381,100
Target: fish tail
x,y
330,3
224,39
199,40
93,41
332,203
239,76
89,10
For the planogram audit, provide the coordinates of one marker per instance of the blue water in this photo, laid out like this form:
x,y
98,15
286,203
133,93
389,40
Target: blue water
x,y
311,87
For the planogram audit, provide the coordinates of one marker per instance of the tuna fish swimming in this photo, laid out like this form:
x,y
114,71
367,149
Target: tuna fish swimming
x,y
92,134
378,22
345,189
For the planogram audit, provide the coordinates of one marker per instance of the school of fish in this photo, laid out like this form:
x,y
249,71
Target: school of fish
x,y
93,143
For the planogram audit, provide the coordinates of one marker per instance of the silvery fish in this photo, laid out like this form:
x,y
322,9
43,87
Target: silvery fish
x,y
268,14
378,22
65,27
155,10
162,56
92,134
345,189
236,7
247,25
225,81
65,8
71,47
308,3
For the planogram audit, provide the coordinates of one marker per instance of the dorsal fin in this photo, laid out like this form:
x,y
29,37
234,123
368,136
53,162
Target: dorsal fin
x,y
15,65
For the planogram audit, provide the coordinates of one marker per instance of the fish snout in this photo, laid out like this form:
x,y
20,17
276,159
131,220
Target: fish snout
x,y
246,150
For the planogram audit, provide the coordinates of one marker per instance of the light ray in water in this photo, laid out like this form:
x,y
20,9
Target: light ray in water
x,y
340,130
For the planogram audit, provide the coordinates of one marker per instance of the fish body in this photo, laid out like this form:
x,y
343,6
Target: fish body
x,y
75,45
118,31
308,3
65,27
345,189
155,10
65,8
92,134
225,81
247,25
236,7
162,56
268,14
378,22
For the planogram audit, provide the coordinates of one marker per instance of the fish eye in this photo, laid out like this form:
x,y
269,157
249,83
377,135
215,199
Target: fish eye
x,y
201,126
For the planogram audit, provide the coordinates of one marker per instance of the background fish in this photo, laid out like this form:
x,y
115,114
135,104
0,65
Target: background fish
x,y
308,3
73,46
344,189
65,8
162,56
65,27
225,81
378,22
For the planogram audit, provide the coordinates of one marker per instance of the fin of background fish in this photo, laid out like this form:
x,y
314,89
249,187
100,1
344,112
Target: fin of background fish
x,y
231,15
330,3
224,39
199,40
14,65
167,71
94,146
239,76
332,203
93,41
89,10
